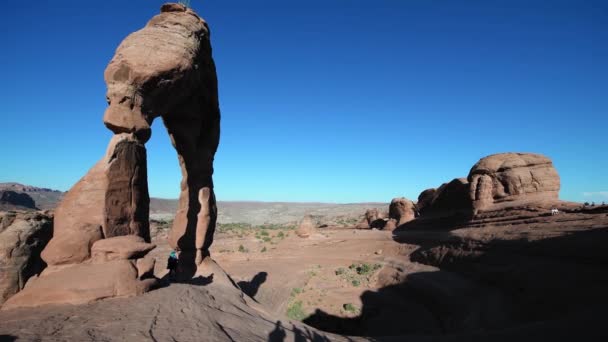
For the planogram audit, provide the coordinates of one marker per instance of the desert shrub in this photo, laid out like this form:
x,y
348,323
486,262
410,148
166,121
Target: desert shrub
x,y
295,311
356,282
264,233
340,271
242,249
348,307
296,291
263,249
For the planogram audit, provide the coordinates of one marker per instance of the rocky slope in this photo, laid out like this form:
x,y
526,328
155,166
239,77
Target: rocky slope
x,y
211,308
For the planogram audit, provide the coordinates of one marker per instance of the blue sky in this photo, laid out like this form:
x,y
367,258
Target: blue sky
x,y
326,100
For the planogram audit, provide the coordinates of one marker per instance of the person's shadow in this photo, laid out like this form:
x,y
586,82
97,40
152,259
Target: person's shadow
x,y
278,334
251,287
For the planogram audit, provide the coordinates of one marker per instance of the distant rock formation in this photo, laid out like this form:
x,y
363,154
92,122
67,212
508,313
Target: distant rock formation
x,y
508,179
373,218
401,211
306,228
102,224
22,237
11,200
44,198
495,182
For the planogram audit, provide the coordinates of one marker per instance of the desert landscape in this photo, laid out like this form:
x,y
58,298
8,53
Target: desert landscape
x,y
492,255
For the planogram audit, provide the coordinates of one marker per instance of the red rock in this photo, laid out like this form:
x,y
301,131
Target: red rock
x,y
110,200
391,225
425,199
448,200
401,210
306,227
120,248
164,69
80,284
22,237
509,179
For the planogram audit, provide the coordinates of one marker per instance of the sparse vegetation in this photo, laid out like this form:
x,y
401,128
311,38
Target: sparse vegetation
x,y
295,311
296,291
348,307
365,269
242,249
263,249
358,274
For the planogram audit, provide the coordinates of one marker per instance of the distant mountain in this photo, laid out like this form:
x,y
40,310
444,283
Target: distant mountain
x,y
11,200
251,212
44,198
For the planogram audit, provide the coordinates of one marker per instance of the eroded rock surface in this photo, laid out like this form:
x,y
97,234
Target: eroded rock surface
x,y
22,238
401,210
509,179
102,224
448,200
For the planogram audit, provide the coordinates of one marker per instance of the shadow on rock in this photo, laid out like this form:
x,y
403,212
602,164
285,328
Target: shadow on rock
x,y
251,287
279,334
495,288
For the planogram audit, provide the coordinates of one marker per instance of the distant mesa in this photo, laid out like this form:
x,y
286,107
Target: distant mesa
x,y
43,198
11,200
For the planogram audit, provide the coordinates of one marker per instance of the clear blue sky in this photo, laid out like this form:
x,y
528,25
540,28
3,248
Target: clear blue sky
x,y
326,100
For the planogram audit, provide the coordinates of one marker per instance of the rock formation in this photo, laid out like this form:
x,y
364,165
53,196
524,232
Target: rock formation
x,y
495,182
511,179
11,200
102,224
425,199
401,211
22,237
306,227
449,199
44,198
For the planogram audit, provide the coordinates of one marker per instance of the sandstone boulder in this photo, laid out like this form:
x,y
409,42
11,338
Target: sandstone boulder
x,y
120,248
511,179
448,200
425,199
391,225
401,210
306,228
22,238
82,283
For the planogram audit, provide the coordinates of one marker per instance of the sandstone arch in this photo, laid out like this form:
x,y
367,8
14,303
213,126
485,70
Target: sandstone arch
x,y
163,70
